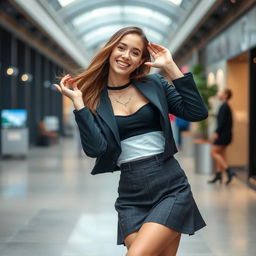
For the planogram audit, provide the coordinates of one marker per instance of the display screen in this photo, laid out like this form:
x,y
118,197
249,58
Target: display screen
x,y
13,118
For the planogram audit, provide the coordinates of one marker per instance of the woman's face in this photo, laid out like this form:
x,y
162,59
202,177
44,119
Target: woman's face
x,y
126,56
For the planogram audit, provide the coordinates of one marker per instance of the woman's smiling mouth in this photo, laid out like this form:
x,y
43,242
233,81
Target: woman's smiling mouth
x,y
122,64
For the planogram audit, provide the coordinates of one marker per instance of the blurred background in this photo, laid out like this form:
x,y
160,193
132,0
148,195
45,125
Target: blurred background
x,y
49,202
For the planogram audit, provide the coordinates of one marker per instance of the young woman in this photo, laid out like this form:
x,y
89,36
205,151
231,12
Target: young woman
x,y
122,115
222,138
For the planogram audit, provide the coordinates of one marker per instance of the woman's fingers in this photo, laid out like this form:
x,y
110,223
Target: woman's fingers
x,y
152,53
149,64
64,87
64,81
157,47
152,49
67,82
73,84
58,87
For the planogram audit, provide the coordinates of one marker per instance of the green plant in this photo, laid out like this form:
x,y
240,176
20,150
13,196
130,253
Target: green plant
x,y
207,92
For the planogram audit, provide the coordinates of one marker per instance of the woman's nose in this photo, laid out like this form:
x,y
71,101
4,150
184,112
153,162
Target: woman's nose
x,y
126,55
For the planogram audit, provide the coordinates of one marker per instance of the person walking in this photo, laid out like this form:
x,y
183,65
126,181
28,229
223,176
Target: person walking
x,y
222,138
182,125
122,114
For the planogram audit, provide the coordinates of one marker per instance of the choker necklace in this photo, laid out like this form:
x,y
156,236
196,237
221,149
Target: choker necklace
x,y
119,87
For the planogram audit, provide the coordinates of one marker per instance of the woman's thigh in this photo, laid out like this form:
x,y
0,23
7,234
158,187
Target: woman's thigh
x,y
217,149
151,240
172,248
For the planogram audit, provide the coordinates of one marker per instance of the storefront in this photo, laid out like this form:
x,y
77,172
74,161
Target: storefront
x,y
230,60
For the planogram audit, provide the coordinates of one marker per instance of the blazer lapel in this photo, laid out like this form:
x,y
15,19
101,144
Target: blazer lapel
x,y
106,113
149,90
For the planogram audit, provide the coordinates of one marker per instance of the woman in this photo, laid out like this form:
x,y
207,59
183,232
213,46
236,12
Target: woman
x,y
122,115
222,138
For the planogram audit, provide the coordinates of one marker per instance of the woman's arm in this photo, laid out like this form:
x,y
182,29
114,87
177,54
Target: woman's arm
x,y
93,141
92,138
184,99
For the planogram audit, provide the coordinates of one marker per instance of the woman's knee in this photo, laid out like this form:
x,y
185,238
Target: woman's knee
x,y
140,252
215,151
128,241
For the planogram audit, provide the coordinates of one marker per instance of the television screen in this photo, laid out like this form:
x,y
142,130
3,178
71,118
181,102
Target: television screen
x,y
13,118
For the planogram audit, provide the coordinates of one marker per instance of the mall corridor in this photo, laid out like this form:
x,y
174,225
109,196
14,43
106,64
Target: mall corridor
x,y
51,205
120,72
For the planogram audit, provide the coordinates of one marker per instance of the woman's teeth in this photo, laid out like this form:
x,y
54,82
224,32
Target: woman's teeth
x,y
123,64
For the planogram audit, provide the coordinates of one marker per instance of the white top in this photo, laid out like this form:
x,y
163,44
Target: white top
x,y
141,146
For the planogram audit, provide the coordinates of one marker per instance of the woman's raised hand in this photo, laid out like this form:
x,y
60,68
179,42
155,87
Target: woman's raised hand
x,y
68,88
161,55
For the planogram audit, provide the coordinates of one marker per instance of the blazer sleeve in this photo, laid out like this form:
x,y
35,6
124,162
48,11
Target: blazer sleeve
x,y
92,138
184,99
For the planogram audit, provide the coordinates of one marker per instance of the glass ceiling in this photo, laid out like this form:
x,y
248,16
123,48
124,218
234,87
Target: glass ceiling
x,y
94,21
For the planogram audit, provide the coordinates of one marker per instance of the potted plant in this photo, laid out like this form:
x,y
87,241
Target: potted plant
x,y
203,161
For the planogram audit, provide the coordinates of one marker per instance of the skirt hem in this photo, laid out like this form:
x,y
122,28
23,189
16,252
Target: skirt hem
x,y
177,229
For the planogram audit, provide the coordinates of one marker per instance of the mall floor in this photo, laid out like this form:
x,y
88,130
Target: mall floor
x,y
50,205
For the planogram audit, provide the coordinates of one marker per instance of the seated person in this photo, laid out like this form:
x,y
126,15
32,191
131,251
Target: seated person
x,y
46,137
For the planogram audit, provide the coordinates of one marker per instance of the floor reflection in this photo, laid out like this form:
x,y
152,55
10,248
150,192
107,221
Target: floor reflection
x,y
50,204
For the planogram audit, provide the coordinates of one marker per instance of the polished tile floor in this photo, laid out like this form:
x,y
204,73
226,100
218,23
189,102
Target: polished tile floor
x,y
50,205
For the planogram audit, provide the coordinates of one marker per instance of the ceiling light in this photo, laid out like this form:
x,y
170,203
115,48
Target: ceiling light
x,y
26,77
12,71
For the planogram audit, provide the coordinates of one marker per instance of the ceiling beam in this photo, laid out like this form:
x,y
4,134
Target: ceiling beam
x,y
48,23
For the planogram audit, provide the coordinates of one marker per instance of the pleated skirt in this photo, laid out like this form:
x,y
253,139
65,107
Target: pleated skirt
x,y
155,190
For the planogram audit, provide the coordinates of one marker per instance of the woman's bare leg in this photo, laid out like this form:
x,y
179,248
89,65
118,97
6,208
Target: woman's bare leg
x,y
172,248
218,154
130,239
151,240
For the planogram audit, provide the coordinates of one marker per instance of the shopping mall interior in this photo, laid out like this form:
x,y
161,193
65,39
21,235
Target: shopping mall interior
x,y
50,204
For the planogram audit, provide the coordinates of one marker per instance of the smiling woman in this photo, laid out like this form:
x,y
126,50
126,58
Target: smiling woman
x,y
125,57
94,79
122,114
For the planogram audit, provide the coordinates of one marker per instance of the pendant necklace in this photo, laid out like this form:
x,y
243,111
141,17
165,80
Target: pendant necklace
x,y
120,88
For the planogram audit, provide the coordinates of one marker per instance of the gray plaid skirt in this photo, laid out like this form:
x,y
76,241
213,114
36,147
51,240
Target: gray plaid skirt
x,y
154,190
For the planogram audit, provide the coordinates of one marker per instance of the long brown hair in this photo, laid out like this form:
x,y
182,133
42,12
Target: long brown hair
x,y
92,81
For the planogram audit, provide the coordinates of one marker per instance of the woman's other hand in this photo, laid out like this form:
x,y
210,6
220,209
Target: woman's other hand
x,y
161,55
68,88
163,59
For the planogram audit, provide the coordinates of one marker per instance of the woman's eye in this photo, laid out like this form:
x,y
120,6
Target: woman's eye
x,y
120,47
135,53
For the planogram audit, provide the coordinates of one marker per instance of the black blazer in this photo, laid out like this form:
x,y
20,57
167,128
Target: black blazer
x,y
224,124
99,133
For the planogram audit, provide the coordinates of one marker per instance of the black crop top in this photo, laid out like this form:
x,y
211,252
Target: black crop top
x,y
145,119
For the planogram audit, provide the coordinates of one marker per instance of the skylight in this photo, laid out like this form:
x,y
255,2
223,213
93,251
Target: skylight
x,y
177,2
64,3
122,10
94,14
107,31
